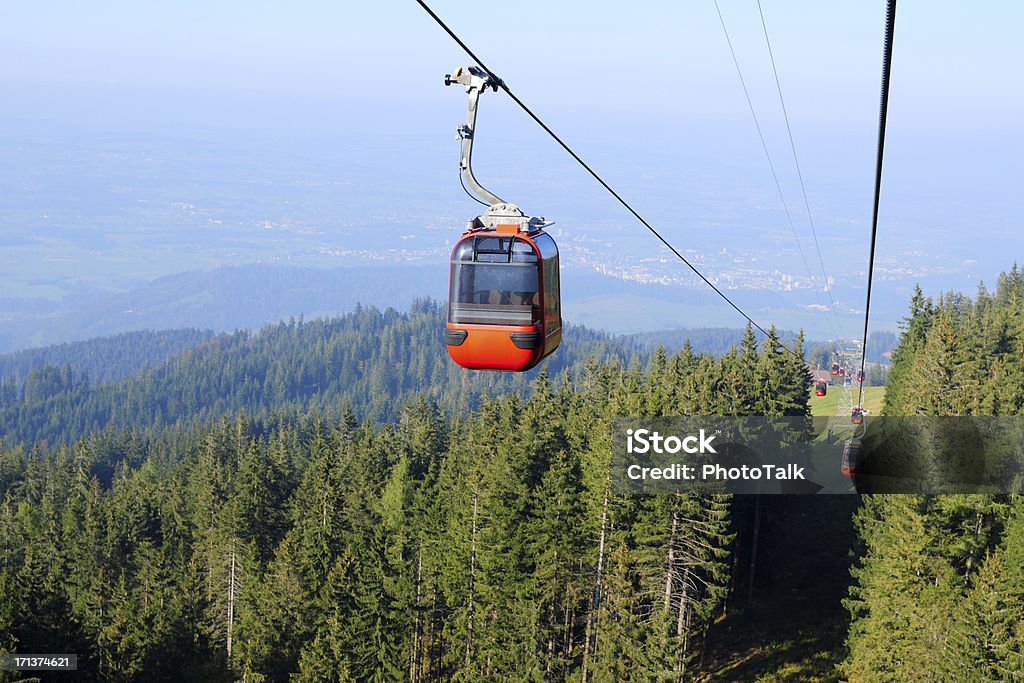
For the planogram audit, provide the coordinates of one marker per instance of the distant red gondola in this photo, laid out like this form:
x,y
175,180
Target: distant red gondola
x,y
835,369
821,388
857,416
860,376
853,456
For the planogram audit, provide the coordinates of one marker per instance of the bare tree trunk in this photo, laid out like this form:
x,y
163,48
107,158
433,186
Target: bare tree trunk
x,y
683,624
551,623
435,650
753,547
595,600
970,560
734,572
551,639
231,599
472,583
703,644
671,561
417,628
567,626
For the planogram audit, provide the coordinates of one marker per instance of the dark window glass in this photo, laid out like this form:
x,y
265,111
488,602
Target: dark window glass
x,y
495,294
549,254
500,287
464,251
546,245
493,249
522,252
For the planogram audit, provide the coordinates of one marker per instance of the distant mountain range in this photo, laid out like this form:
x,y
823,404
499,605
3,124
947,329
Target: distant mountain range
x,y
250,296
222,300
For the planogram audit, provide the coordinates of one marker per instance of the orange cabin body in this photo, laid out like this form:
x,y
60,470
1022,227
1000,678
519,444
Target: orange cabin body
x,y
853,453
504,310
821,388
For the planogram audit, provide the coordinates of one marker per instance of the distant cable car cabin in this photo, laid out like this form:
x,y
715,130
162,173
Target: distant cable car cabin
x,y
853,457
857,416
821,388
860,376
835,369
843,370
504,310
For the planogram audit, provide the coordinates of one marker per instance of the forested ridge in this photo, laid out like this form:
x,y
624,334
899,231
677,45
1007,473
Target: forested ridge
x,y
718,340
938,589
371,360
483,546
102,360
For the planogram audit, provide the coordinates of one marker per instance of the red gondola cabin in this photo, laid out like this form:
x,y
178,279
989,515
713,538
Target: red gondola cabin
x,y
835,368
821,388
503,303
860,376
853,455
857,416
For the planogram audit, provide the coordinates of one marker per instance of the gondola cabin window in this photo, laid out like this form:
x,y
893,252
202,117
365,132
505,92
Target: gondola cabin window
x,y
495,281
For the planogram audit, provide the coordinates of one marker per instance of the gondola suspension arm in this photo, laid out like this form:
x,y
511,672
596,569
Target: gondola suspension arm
x,y
476,81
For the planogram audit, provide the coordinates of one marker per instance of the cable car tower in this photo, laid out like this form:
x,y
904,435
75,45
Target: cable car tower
x,y
504,310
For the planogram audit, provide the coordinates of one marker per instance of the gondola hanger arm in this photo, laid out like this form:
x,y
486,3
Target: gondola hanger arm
x,y
476,81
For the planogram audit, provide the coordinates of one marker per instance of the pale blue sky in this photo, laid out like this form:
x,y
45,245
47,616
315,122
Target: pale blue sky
x,y
955,60
647,85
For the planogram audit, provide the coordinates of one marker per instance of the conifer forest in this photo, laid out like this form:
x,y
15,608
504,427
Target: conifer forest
x,y
301,504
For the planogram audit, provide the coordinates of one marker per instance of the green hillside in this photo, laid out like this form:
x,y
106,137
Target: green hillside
x,y
938,589
825,406
373,361
104,359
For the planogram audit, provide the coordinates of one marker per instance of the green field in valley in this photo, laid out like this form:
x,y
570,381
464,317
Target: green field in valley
x,y
824,406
